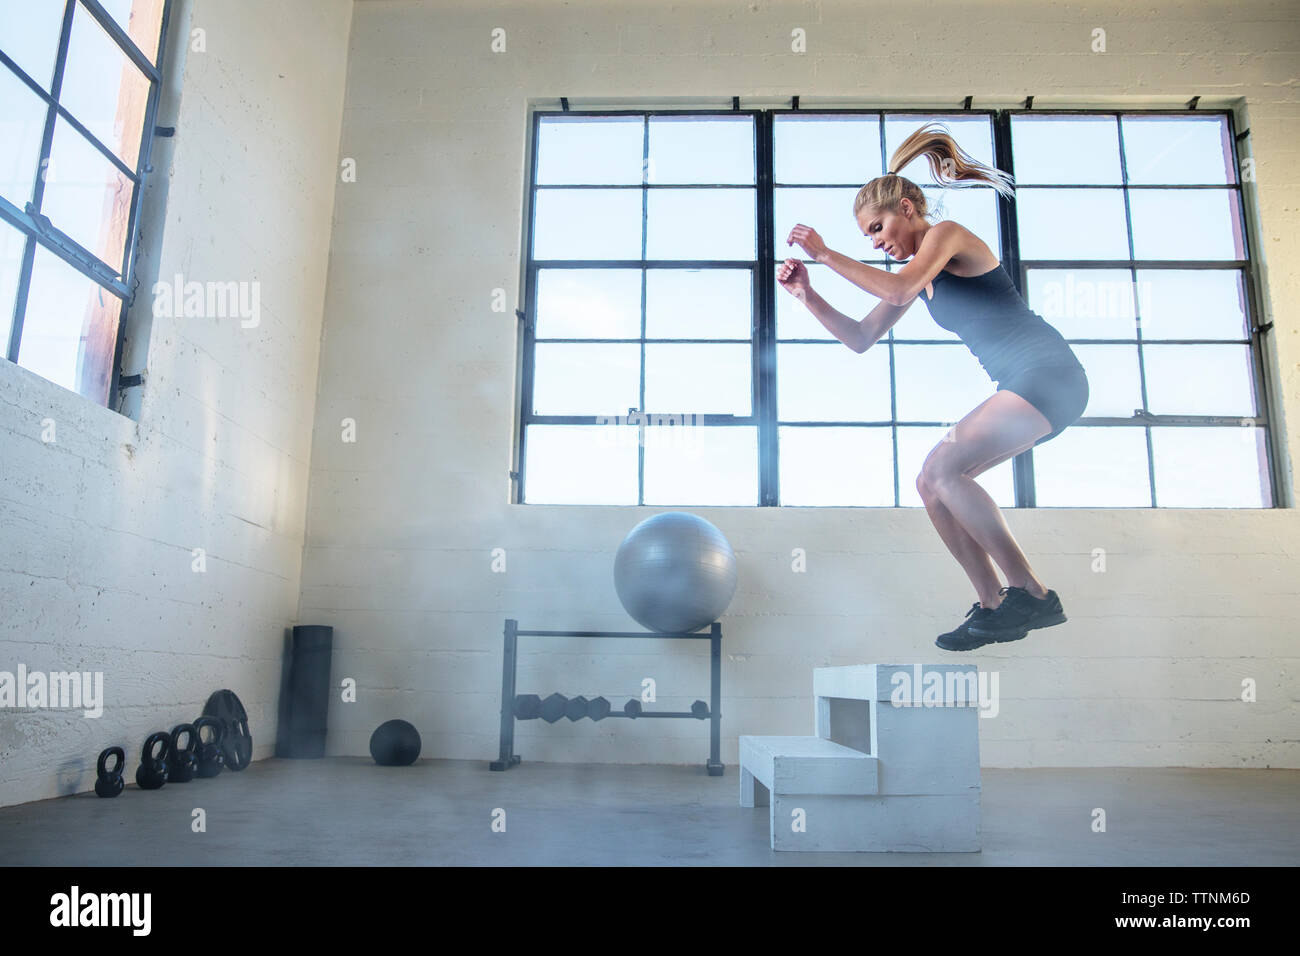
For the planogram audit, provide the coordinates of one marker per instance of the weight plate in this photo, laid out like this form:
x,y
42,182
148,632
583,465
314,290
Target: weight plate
x,y
237,742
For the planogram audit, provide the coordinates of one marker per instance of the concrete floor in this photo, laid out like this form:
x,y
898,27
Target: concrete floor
x,y
349,812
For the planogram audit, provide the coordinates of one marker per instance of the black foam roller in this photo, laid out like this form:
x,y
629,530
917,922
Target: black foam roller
x,y
309,689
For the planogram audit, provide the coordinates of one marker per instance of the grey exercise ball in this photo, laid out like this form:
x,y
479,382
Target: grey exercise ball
x,y
675,572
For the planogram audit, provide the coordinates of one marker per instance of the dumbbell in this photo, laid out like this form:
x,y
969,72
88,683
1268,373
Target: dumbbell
x,y
528,706
632,708
700,709
576,709
598,708
554,707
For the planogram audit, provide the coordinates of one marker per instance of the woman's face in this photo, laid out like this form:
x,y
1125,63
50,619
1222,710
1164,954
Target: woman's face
x,y
891,231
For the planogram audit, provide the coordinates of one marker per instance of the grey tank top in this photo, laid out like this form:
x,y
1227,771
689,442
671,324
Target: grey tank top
x,y
989,316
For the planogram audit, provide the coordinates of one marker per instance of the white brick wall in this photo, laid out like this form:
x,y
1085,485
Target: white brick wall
x,y
401,525
97,529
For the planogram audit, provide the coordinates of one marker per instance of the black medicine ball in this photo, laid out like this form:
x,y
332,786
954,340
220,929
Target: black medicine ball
x,y
395,743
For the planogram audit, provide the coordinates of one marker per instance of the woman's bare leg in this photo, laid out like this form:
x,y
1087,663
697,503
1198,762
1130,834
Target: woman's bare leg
x,y
982,520
967,518
975,561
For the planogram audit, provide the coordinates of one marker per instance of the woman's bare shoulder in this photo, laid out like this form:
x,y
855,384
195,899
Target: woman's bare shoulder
x,y
974,258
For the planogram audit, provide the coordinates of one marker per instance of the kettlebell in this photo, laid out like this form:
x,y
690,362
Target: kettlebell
x,y
109,783
152,772
182,763
210,758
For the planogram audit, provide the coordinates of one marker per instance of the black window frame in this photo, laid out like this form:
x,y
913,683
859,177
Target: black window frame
x,y
763,333
38,228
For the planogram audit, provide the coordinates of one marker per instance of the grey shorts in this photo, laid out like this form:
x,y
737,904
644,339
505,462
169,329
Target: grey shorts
x,y
1060,392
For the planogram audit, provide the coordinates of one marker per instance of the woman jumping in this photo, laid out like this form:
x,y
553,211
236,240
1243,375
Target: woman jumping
x,y
1042,388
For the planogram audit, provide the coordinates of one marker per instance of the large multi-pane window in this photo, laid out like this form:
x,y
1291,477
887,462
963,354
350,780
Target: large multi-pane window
x,y
79,82
663,364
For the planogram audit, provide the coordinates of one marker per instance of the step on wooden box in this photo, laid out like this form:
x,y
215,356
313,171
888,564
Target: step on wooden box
x,y
894,764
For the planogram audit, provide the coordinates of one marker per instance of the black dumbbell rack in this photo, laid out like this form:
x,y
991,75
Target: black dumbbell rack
x,y
508,758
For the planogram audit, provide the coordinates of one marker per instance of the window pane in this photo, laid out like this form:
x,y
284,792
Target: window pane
x,y
974,134
1178,149
12,243
915,445
830,383
1186,224
826,149
699,379
701,224
1062,150
832,467
1072,224
699,304
713,466
701,149
142,20
974,207
1093,467
29,35
22,123
1238,477
1085,303
830,212
794,321
588,303
587,224
578,150
70,328
1192,304
581,379
999,481
938,383
103,89
86,196
1199,380
581,464
1114,381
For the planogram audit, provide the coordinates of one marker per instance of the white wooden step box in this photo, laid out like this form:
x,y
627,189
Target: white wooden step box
x,y
894,765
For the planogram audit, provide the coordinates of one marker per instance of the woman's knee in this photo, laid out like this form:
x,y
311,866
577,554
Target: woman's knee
x,y
934,474
924,486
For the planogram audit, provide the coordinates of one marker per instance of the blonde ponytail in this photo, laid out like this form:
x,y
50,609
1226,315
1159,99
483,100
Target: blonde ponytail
x,y
950,165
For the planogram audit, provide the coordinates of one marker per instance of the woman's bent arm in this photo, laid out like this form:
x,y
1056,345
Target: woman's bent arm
x,y
847,330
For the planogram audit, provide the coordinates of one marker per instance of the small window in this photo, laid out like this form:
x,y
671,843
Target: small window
x,y
79,85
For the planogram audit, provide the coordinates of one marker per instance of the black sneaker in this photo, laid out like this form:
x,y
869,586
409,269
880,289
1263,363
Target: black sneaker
x,y
1019,613
962,639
